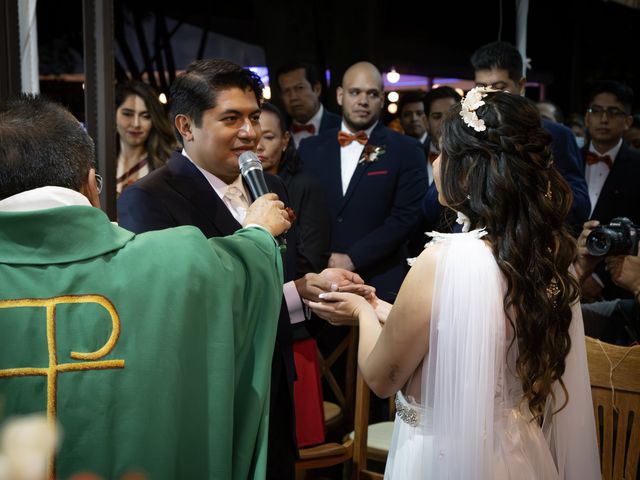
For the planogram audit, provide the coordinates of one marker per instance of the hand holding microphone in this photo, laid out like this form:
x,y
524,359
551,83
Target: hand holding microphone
x,y
251,171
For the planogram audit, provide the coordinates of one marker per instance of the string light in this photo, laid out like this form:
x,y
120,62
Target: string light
x,y
393,97
393,76
162,98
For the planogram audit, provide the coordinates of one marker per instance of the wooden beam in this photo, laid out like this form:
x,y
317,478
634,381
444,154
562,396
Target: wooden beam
x,y
99,93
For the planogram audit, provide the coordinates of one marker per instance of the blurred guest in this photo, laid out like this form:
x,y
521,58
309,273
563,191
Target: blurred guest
x,y
301,88
280,157
145,138
412,116
632,135
549,111
437,103
576,123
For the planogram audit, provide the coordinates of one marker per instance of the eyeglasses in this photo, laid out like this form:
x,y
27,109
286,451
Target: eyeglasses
x,y
99,182
610,111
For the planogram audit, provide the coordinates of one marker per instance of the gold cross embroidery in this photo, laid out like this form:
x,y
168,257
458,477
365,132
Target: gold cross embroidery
x,y
51,372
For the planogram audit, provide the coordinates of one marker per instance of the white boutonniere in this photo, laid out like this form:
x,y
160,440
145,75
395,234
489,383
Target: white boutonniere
x,y
371,153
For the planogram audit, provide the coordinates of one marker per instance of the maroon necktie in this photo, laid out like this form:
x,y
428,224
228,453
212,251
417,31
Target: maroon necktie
x,y
299,127
345,138
593,158
433,156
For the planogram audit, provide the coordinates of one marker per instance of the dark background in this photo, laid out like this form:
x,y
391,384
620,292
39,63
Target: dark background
x,y
571,43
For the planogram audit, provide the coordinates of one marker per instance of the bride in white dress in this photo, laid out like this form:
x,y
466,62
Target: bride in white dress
x,y
484,345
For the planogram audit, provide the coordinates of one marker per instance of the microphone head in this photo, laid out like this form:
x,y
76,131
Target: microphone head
x,y
249,161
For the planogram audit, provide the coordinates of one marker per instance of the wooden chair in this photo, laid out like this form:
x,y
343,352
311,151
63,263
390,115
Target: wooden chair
x,y
330,453
618,429
340,411
362,430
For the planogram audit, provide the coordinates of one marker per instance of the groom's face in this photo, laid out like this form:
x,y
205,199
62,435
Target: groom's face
x,y
225,132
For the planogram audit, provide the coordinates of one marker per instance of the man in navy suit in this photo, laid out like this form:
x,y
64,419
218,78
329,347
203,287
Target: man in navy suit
x,y
499,65
215,111
612,170
301,89
374,180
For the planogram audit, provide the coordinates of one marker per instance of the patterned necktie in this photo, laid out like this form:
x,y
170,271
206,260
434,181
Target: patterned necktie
x,y
237,203
345,138
298,127
593,158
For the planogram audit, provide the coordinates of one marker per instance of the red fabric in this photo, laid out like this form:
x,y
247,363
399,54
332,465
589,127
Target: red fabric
x,y
307,394
592,158
345,138
298,127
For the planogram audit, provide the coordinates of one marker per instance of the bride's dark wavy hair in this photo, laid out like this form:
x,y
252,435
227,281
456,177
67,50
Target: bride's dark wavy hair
x,y
503,179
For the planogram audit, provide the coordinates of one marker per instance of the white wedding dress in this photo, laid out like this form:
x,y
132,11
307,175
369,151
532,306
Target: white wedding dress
x,y
472,423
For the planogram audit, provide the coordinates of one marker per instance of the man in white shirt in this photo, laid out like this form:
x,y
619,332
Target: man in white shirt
x,y
301,88
374,180
612,169
215,108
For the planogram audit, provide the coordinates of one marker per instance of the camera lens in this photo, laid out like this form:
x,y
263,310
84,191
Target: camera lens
x,y
599,242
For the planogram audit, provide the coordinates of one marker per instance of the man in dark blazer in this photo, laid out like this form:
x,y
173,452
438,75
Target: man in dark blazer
x,y
499,65
215,110
374,180
300,87
612,169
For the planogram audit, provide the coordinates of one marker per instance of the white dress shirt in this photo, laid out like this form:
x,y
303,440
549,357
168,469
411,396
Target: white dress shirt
x,y
291,296
349,157
597,174
315,121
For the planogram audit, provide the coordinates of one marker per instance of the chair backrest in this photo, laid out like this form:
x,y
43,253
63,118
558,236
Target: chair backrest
x,y
342,384
615,387
333,453
361,425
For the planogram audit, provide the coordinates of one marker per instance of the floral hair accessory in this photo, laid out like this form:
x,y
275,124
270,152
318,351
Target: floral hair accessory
x,y
470,103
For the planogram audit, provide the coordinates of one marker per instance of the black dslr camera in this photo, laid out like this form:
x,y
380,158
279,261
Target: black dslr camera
x,y
620,237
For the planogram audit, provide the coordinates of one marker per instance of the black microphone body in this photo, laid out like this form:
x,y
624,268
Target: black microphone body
x,y
251,171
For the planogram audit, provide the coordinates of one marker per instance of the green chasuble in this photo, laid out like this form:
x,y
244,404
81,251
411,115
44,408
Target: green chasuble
x,y
152,351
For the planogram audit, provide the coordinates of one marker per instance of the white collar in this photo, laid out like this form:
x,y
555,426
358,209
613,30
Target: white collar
x,y
218,185
613,153
367,131
43,198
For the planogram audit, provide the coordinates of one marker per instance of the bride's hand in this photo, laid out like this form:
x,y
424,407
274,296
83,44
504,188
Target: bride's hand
x,y
340,308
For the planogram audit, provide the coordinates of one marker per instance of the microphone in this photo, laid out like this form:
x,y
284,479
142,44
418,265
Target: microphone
x,y
251,171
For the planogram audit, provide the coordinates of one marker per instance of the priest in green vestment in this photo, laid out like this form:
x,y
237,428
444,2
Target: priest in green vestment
x,y
152,352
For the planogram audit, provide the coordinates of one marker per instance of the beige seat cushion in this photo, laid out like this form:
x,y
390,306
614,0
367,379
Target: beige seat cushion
x,y
378,440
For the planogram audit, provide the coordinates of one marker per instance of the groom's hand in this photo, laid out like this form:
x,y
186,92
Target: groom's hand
x,y
341,260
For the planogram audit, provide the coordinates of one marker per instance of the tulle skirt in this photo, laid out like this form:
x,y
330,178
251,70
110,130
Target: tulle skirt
x,y
520,452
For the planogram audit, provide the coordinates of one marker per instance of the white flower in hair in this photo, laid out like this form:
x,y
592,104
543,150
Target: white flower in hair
x,y
470,103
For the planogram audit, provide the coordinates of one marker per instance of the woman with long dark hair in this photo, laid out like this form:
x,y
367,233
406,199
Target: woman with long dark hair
x,y
145,137
485,344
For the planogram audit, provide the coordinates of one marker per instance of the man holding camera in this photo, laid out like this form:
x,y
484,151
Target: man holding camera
x,y
612,170
615,321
